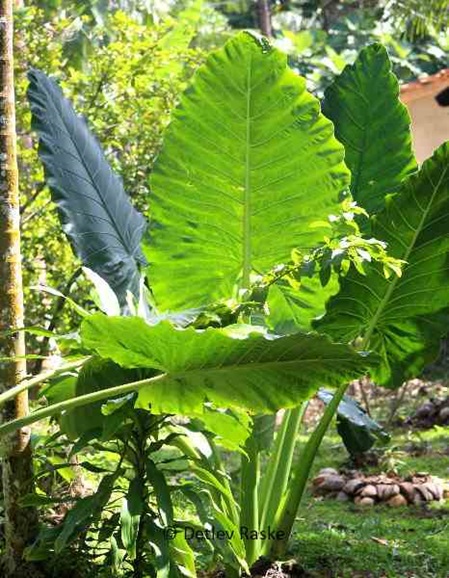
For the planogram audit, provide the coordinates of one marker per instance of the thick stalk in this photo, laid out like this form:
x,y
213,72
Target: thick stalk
x,y
57,408
249,517
20,523
36,380
286,513
267,479
276,478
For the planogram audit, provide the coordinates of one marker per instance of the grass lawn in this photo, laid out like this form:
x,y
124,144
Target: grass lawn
x,y
334,539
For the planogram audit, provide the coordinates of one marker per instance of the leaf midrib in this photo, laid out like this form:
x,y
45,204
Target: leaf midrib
x,y
234,367
128,250
392,286
246,266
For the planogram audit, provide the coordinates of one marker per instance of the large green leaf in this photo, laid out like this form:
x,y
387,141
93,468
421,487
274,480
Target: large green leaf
x,y
232,367
402,318
102,225
373,125
248,163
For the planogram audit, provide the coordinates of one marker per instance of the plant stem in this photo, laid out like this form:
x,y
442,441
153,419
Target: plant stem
x,y
249,517
40,378
398,398
79,401
285,516
279,467
364,396
264,17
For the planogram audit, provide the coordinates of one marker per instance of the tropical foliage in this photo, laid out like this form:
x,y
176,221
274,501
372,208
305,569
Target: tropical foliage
x,y
235,216
244,246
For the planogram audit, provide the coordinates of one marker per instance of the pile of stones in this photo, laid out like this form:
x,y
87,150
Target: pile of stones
x,y
432,412
387,489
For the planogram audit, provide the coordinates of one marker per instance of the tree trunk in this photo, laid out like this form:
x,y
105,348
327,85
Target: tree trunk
x,y
20,523
264,17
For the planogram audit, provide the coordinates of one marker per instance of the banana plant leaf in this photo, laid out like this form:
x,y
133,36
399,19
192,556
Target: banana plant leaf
x,y
97,216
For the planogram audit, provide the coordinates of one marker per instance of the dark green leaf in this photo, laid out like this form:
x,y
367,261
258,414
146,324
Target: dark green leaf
x,y
129,527
95,375
161,492
373,125
102,225
357,429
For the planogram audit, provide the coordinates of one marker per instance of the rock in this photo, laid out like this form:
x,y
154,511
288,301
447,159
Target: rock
x,y
446,492
342,496
408,490
331,483
387,491
397,501
425,410
318,480
418,499
443,416
328,472
434,488
353,485
425,492
368,491
365,502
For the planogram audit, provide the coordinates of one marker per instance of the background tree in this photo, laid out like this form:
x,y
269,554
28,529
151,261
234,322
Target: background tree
x,y
20,523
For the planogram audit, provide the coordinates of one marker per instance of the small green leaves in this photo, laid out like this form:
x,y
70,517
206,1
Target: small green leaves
x,y
239,366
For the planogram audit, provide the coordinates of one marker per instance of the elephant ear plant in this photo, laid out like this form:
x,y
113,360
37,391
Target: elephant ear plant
x,y
103,227
253,226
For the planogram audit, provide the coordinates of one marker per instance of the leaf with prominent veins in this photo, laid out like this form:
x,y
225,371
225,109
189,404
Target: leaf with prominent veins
x,y
373,125
234,367
402,318
104,228
248,163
